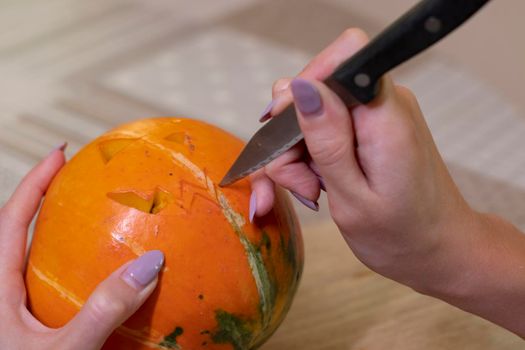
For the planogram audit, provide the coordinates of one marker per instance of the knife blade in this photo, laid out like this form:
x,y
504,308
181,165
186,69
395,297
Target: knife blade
x,y
357,80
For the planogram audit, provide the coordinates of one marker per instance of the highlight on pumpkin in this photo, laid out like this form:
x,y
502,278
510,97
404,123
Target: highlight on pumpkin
x,y
153,204
108,149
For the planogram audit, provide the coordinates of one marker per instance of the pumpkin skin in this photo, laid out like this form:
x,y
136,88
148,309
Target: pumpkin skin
x,y
152,184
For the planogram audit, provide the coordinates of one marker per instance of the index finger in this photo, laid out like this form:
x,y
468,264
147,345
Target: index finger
x,y
20,209
324,63
347,44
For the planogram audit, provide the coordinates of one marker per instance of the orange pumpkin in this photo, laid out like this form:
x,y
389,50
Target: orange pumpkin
x,y
152,184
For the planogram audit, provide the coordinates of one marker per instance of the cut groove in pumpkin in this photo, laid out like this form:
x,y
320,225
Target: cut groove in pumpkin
x,y
152,205
108,149
178,137
181,138
161,199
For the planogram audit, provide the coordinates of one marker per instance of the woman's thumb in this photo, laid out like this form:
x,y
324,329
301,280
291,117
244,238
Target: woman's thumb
x,y
328,132
113,301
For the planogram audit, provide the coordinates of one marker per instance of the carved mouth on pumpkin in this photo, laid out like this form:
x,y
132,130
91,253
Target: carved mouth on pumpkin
x,y
152,204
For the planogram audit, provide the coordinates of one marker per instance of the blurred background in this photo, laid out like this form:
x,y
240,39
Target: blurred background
x,y
72,69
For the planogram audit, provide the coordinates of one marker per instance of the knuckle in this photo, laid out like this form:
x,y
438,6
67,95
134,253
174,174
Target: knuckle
x,y
280,84
284,160
347,218
354,34
295,175
329,152
104,308
309,67
339,214
402,139
272,169
353,218
406,94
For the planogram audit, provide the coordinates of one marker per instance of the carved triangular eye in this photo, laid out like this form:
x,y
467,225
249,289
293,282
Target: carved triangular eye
x,y
152,204
181,138
178,137
161,199
108,149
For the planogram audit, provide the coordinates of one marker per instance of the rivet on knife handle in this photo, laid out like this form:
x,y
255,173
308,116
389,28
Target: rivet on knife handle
x,y
426,23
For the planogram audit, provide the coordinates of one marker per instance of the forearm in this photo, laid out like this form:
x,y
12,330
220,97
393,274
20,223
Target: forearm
x,y
486,271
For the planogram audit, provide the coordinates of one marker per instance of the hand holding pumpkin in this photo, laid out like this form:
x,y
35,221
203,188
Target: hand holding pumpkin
x,y
391,195
113,301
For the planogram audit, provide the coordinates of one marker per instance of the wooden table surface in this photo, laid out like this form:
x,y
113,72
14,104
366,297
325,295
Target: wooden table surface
x,y
72,69
343,305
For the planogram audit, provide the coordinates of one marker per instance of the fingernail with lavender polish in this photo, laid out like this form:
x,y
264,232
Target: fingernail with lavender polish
x,y
253,206
321,183
314,168
144,269
306,97
267,113
310,204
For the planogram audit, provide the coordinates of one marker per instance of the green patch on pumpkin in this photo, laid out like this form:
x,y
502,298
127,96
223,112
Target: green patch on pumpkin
x,y
290,252
233,329
265,284
265,241
170,341
261,275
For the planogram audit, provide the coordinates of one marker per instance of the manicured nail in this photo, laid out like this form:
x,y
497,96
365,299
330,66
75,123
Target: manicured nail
x,y
267,113
306,97
321,183
253,206
315,169
144,269
61,148
310,204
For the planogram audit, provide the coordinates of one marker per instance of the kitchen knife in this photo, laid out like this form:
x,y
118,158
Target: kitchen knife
x,y
357,80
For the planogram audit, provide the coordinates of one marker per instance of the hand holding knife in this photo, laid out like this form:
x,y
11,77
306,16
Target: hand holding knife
x,y
357,80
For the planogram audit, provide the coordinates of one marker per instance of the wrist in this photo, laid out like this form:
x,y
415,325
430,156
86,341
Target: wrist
x,y
482,270
444,271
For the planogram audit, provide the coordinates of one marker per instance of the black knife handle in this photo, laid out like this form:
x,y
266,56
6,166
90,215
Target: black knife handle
x,y
419,28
